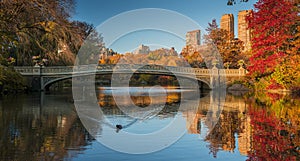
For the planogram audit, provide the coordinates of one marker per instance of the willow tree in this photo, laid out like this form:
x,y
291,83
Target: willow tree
x,y
38,28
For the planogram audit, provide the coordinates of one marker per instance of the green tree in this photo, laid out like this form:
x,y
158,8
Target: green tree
x,y
10,80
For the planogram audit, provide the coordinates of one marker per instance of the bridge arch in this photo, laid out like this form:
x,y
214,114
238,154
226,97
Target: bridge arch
x,y
47,84
205,82
200,80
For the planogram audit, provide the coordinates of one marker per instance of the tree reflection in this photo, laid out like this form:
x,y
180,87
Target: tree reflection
x,y
266,127
276,131
222,135
107,100
233,121
29,132
109,106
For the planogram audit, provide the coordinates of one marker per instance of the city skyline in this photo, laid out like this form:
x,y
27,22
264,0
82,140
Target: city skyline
x,y
194,38
199,11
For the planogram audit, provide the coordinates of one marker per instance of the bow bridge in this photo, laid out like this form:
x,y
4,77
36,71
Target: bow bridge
x,y
46,76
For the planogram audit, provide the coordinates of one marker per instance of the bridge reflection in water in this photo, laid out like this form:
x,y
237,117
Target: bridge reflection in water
x,y
232,117
30,131
216,120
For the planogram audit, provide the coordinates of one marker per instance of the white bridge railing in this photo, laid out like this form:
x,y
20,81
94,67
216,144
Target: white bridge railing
x,y
64,70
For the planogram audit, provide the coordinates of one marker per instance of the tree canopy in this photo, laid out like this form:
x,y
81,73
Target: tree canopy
x,y
40,28
275,47
219,47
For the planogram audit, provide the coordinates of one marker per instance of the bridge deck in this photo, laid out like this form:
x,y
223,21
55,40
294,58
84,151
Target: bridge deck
x,y
213,77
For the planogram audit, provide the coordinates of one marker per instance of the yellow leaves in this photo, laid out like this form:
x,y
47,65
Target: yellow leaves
x,y
194,58
154,56
288,73
114,59
48,26
102,61
172,63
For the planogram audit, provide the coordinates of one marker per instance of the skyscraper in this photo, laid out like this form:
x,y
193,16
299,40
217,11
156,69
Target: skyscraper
x,y
227,23
244,34
193,38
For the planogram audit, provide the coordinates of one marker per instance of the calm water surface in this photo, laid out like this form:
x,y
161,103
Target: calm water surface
x,y
261,126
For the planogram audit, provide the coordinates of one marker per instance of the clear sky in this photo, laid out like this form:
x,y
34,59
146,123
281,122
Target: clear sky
x,y
201,11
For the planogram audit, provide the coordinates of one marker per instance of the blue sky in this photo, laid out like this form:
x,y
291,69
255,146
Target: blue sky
x,y
200,11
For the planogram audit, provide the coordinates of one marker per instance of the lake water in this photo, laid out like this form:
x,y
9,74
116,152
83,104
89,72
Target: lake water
x,y
261,126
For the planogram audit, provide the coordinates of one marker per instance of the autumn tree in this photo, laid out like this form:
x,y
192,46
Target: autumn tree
x,y
193,58
273,36
91,48
194,55
219,46
221,41
288,73
39,28
83,30
212,26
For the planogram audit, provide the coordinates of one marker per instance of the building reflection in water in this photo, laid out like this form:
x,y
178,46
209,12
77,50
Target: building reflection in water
x,y
54,132
233,121
232,126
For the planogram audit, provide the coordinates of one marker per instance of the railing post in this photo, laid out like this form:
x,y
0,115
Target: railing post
x,y
37,81
214,77
241,72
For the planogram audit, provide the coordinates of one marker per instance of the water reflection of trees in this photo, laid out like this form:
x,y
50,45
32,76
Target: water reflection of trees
x,y
267,129
107,100
233,121
275,120
109,106
30,132
222,135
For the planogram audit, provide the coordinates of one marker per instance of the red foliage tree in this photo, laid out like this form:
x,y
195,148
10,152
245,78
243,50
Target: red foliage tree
x,y
270,24
272,138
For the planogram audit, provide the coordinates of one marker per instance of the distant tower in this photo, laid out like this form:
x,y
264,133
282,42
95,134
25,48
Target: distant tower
x,y
193,38
244,34
227,23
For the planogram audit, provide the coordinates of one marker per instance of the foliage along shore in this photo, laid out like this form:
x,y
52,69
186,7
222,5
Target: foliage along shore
x,y
246,86
11,81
